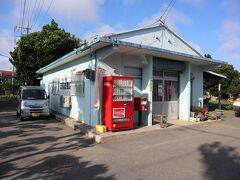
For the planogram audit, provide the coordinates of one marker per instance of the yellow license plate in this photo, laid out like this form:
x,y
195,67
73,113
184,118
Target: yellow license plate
x,y
35,114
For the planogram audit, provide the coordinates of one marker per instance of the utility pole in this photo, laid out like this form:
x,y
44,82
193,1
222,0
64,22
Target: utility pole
x,y
27,29
22,27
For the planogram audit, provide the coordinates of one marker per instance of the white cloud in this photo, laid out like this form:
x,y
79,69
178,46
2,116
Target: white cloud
x,y
102,29
196,46
194,2
129,2
229,36
6,45
68,10
229,40
84,10
174,18
231,6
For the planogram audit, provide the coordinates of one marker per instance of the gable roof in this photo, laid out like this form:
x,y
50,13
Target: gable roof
x,y
159,36
130,40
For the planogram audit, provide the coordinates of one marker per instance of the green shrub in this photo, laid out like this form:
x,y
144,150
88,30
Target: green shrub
x,y
225,105
8,97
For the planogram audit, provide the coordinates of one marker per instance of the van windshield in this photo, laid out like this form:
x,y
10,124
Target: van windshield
x,y
31,94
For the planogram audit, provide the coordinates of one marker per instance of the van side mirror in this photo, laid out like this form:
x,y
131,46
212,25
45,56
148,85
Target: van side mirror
x,y
48,96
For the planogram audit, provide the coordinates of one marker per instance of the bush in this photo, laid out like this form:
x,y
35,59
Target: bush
x,y
225,105
8,97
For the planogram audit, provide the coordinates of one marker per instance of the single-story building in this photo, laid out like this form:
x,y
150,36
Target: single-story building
x,y
165,68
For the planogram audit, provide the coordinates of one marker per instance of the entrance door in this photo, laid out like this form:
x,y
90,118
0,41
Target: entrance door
x,y
166,93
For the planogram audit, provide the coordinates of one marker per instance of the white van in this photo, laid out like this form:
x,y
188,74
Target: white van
x,y
32,102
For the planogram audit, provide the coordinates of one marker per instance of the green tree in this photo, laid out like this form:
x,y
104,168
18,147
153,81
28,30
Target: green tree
x,y
229,86
38,49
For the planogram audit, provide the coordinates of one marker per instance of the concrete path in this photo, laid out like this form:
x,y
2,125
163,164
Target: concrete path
x,y
46,149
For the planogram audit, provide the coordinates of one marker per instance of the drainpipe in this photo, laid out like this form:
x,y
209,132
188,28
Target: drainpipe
x,y
100,108
219,95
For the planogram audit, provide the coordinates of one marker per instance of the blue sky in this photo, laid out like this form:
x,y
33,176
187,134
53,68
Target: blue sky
x,y
209,26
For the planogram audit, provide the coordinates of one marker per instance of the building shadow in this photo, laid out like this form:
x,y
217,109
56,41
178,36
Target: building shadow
x,y
221,162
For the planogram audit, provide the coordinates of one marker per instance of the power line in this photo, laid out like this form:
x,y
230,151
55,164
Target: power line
x,y
165,13
167,10
24,6
38,14
33,10
36,11
28,10
46,12
21,12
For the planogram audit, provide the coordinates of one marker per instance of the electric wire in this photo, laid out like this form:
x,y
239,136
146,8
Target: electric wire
x,y
24,6
36,11
29,11
164,15
38,14
20,15
166,10
26,12
174,1
33,10
43,17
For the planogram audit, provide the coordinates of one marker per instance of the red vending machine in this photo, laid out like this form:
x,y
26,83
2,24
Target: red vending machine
x,y
118,102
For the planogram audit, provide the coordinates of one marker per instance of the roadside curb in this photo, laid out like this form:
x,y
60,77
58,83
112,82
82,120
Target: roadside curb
x,y
83,128
90,132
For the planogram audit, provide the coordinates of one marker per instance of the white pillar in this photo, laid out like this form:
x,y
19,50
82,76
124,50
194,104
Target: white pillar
x,y
185,93
147,89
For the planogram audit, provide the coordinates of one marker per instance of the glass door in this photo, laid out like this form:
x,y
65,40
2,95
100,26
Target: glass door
x,y
165,93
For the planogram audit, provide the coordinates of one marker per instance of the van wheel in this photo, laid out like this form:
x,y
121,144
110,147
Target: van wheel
x,y
20,116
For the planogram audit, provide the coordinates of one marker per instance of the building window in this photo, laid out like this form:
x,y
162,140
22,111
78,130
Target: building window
x,y
55,85
77,84
136,73
171,90
158,90
165,86
64,85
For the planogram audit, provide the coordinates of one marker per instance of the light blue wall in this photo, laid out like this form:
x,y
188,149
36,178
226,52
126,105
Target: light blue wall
x,y
119,61
82,107
147,83
197,85
185,90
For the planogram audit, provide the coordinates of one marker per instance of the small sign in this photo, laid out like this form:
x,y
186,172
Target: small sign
x,y
118,112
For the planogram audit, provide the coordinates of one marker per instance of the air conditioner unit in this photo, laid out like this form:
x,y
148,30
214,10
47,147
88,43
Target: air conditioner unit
x,y
65,101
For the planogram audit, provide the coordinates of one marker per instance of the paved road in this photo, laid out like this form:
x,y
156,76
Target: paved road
x,y
46,149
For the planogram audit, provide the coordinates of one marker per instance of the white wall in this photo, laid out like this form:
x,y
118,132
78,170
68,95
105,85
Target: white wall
x,y
184,97
158,37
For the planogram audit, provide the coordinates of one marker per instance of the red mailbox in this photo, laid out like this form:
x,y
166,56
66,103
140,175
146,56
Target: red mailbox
x,y
140,104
